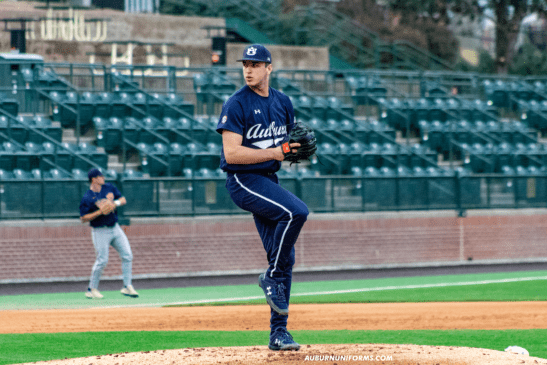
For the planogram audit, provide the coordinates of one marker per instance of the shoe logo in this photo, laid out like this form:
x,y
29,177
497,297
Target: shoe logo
x,y
269,290
277,342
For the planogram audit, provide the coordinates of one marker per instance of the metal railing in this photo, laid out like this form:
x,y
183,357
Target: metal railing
x,y
39,199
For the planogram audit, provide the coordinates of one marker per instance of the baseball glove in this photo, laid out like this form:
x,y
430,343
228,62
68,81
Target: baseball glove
x,y
106,206
304,135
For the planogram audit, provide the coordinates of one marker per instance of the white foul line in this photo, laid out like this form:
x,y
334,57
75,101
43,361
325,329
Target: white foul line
x,y
438,285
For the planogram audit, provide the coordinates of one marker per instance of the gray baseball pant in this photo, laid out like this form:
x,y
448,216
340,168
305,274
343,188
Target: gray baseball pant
x,y
103,237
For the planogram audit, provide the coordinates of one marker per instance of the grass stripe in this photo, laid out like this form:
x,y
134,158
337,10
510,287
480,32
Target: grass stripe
x,y
40,347
238,293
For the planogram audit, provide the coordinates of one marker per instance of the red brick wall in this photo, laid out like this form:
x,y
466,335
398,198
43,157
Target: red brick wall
x,y
231,245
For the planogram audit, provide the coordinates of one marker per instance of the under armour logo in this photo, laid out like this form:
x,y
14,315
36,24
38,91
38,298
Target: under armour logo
x,y
269,290
251,51
257,111
277,342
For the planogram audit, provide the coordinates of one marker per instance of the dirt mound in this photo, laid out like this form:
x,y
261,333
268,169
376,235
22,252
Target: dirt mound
x,y
313,354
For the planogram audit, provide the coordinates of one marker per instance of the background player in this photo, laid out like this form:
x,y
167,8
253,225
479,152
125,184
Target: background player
x,y
105,232
253,122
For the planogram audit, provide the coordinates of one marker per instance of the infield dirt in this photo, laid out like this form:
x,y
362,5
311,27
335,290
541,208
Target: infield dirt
x,y
388,316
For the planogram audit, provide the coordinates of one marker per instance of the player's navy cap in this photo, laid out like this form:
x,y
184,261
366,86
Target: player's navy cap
x,y
94,173
257,53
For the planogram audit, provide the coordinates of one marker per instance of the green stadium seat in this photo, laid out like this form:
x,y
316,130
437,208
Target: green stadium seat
x,y
166,128
100,125
78,174
356,150
18,129
199,129
103,105
388,156
208,157
437,110
4,128
176,158
380,132
178,102
9,104
327,163
155,106
122,105
464,108
65,155
285,85
47,153
112,137
155,167
87,107
433,90
421,110
20,174
8,159
417,154
131,130
205,173
90,151
44,125
132,174
337,109
144,158
220,84
303,108
56,174
140,102
148,125
29,158
357,88
496,92
66,116
86,103
319,108
6,175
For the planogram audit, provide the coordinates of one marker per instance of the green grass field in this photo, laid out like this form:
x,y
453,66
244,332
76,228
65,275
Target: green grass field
x,y
517,286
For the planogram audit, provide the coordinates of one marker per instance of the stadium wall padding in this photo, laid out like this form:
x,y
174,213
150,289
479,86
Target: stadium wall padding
x,y
63,251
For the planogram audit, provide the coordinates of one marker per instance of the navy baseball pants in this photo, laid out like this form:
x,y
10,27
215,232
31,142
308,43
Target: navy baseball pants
x,y
279,216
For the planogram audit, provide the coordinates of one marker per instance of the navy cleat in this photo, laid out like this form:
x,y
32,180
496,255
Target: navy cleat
x,y
281,340
275,294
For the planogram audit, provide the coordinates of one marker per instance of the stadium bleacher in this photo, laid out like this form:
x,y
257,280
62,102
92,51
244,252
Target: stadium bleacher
x,y
370,125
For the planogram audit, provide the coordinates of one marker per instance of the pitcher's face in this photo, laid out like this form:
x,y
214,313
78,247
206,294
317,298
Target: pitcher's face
x,y
256,74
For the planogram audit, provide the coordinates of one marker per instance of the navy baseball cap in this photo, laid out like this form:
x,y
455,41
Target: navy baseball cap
x,y
94,173
257,53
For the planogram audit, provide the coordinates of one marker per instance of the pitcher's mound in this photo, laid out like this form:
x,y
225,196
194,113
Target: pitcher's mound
x,y
313,354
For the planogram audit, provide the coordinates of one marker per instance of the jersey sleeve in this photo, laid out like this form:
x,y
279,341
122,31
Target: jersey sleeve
x,y
231,118
116,192
86,206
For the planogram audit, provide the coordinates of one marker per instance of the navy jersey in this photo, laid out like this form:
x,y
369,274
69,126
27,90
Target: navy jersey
x,y
87,205
262,121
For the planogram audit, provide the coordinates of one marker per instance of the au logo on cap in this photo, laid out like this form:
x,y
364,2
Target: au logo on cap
x,y
251,51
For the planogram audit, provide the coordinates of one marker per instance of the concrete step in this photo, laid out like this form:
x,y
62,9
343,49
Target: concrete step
x,y
69,136
118,166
